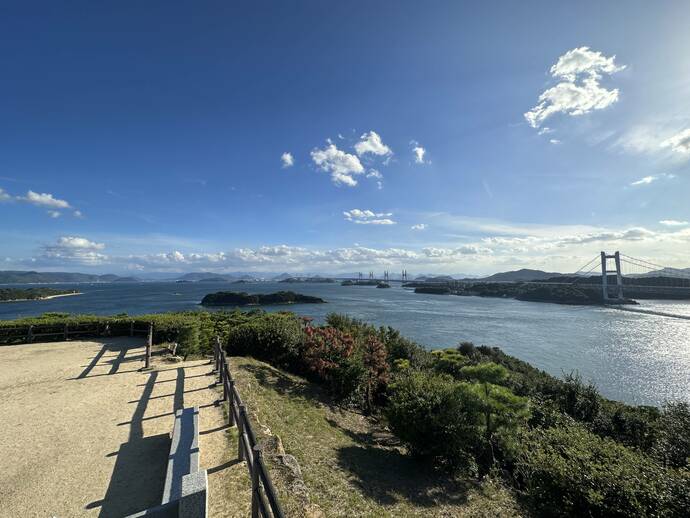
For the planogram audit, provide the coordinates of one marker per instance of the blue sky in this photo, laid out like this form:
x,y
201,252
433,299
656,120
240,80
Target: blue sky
x,y
442,137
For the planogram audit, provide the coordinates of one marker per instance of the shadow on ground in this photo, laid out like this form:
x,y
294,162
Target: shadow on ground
x,y
139,473
118,346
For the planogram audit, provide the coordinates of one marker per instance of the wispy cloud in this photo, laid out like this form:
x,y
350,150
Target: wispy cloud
x,y
679,143
674,223
651,179
418,152
579,91
418,226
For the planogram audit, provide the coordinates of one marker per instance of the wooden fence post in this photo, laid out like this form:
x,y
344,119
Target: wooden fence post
x,y
66,330
131,328
240,432
231,406
256,452
30,334
149,343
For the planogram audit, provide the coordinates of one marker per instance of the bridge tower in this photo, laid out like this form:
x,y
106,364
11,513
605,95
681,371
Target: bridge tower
x,y
604,275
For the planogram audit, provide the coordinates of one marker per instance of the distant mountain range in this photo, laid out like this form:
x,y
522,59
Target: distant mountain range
x,y
215,277
22,277
32,277
524,274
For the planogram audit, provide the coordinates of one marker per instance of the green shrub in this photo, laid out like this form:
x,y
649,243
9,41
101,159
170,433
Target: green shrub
x,y
673,446
274,337
437,418
188,340
449,361
568,471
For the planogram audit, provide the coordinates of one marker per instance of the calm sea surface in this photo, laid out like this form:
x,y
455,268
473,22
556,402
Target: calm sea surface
x,y
637,358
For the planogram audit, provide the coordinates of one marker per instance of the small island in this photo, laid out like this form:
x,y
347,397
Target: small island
x,y
20,294
231,298
383,285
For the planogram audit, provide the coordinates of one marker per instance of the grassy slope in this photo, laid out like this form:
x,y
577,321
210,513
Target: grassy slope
x,y
351,466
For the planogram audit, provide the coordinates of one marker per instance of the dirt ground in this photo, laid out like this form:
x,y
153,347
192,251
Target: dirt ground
x,y
84,433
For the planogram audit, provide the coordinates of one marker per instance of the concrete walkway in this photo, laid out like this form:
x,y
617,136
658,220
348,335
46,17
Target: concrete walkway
x,y
84,433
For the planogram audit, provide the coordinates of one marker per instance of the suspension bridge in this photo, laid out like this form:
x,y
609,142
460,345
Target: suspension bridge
x,y
618,278
621,277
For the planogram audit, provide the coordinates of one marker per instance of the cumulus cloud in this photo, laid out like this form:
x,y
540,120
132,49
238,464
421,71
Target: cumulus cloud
x,y
673,223
679,143
342,166
73,249
368,217
418,226
287,159
371,143
45,199
579,91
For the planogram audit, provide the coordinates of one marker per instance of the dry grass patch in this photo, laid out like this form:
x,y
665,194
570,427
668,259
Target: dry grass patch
x,y
350,464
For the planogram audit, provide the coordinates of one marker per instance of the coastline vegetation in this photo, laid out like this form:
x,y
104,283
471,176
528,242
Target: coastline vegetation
x,y
231,298
17,294
470,413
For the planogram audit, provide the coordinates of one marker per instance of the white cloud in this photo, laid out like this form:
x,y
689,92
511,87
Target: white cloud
x,y
45,200
4,196
77,214
579,92
373,173
554,141
287,159
342,166
368,217
652,178
371,143
418,226
645,181
673,223
73,249
418,151
679,143
54,213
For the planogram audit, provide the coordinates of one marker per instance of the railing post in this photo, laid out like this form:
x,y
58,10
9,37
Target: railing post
x,y
149,343
256,452
66,330
30,334
231,414
240,432
131,328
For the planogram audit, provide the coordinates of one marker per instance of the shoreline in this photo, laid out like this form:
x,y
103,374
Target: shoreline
x,y
43,298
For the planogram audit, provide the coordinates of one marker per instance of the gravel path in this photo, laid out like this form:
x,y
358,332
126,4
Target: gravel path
x,y
84,433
